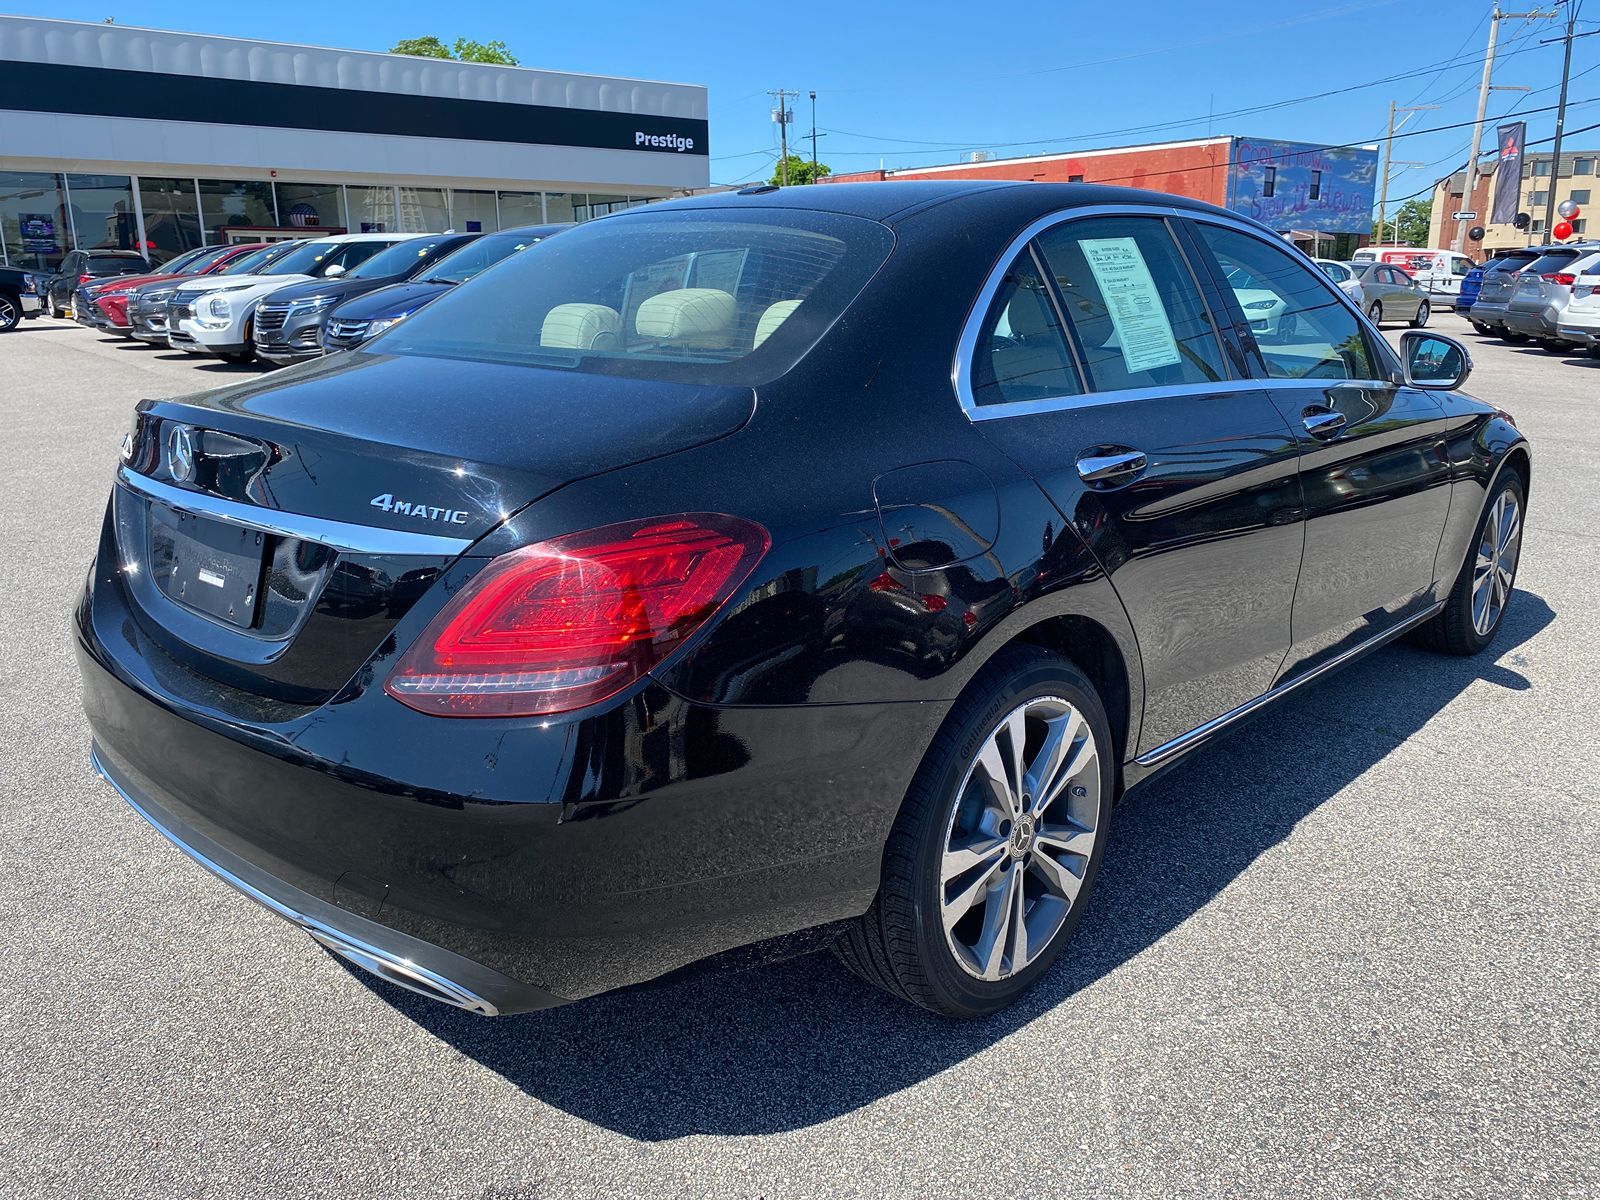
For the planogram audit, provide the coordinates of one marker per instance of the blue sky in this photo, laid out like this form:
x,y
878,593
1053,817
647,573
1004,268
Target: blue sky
x,y
1027,78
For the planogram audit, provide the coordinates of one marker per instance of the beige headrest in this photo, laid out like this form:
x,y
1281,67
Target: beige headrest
x,y
690,316
775,315
581,327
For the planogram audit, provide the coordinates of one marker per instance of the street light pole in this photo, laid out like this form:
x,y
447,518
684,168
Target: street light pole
x,y
813,137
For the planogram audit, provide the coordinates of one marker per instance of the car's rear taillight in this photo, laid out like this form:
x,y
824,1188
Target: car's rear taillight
x,y
565,623
85,278
1560,277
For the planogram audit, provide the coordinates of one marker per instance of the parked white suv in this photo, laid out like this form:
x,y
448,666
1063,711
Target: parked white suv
x,y
213,315
1580,321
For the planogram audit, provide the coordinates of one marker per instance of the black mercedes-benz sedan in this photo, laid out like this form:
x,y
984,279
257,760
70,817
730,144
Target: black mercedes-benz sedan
x,y
772,570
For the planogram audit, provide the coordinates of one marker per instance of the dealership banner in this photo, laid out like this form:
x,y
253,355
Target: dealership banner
x,y
1302,186
1508,174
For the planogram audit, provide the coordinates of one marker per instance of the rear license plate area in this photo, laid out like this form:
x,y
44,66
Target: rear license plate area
x,y
209,566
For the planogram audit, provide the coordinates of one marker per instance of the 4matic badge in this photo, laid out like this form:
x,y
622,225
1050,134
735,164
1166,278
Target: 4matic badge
x,y
427,512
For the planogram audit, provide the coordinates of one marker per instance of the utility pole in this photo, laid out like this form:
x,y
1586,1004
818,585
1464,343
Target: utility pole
x,y
813,137
783,114
1471,183
1561,112
1388,161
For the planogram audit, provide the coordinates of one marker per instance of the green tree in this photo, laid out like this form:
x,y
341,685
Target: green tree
x,y
1412,221
465,50
800,171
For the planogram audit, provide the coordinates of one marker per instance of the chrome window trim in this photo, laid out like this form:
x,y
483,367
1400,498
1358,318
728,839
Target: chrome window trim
x,y
967,344
343,536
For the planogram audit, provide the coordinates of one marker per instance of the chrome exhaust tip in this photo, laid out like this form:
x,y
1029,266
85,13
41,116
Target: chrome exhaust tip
x,y
402,972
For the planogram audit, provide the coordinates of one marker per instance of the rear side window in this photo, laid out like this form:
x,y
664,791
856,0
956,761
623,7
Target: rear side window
x,y
1022,353
1460,266
687,295
1133,306
1334,272
1306,331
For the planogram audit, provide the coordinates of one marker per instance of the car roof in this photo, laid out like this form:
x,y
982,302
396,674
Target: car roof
x,y
114,253
536,230
893,201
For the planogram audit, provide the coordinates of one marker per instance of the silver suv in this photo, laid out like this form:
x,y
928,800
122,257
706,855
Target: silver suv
x,y
1543,290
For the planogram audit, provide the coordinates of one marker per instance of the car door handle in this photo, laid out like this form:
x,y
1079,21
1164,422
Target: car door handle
x,y
1324,424
1112,468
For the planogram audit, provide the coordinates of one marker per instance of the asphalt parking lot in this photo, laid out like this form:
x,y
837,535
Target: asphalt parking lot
x,y
1349,952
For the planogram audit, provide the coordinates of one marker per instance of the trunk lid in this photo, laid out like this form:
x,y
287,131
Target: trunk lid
x,y
285,525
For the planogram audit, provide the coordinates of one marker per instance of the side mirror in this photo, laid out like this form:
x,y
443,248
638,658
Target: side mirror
x,y
334,271
1434,361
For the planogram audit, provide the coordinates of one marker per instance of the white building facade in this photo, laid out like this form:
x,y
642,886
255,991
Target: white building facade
x,y
121,138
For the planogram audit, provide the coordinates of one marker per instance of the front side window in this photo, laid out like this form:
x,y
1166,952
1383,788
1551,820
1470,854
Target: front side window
x,y
1132,304
1021,352
675,294
1305,331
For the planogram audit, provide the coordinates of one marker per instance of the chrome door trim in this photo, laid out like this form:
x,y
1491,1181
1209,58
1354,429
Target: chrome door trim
x,y
1201,733
967,344
343,536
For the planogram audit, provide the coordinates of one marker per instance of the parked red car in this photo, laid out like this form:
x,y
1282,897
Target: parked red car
x,y
107,303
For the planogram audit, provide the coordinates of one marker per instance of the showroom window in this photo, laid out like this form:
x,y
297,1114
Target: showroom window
x,y
101,212
320,206
599,206
371,209
171,217
566,206
522,208
229,204
473,212
33,220
423,210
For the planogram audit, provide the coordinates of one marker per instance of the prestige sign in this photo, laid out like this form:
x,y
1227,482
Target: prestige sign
x,y
663,141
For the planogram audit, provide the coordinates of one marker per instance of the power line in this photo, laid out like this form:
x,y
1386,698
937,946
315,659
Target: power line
x,y
1173,124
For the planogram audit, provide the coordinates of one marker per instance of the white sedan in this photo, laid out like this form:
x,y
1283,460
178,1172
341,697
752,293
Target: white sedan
x,y
1345,277
213,315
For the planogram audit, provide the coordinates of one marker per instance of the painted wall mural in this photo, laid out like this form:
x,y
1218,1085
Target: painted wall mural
x,y
1291,185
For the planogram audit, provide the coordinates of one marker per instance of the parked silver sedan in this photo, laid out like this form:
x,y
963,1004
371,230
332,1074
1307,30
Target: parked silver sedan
x,y
1392,295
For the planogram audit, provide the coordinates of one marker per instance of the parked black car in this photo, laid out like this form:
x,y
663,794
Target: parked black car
x,y
82,266
19,297
799,567
288,324
363,317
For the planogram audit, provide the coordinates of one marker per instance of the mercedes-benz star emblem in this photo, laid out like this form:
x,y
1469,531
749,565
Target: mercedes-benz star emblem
x,y
180,453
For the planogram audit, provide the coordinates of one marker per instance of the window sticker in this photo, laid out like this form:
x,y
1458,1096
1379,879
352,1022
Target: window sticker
x,y
1144,334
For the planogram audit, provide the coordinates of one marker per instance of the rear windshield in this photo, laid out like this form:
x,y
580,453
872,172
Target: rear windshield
x,y
1510,262
470,259
1552,261
116,264
689,295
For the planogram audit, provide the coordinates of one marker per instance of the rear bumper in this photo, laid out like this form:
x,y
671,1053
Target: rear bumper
x,y
527,863
1582,335
1539,323
411,964
1492,315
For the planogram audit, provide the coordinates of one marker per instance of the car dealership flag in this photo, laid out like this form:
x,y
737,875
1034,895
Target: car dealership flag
x,y
1508,174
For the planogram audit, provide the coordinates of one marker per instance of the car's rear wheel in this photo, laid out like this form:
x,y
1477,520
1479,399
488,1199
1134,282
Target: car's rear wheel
x,y
1421,319
1375,311
10,314
1486,330
1516,339
1478,599
995,851
1553,346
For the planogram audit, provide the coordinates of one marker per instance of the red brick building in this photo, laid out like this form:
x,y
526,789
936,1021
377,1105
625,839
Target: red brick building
x,y
1320,197
1196,168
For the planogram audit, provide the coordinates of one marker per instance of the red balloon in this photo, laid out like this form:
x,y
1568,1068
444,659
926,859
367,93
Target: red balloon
x,y
1576,213
1562,230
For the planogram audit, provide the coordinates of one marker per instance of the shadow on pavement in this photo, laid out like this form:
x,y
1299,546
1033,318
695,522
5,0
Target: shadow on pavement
x,y
789,1045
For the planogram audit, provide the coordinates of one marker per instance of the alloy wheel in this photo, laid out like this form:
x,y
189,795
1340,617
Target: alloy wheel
x,y
10,315
1021,835
1496,566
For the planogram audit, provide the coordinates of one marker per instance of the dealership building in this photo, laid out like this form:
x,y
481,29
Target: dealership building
x,y
1319,197
113,137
